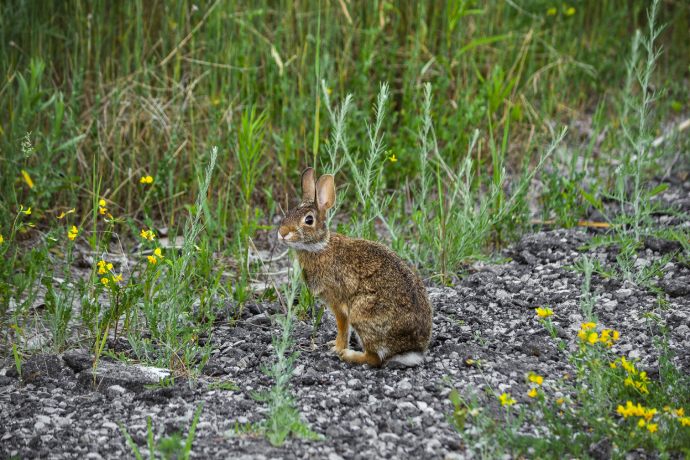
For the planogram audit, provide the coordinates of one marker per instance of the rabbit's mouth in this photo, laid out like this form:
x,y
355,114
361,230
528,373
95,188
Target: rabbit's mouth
x,y
309,247
293,240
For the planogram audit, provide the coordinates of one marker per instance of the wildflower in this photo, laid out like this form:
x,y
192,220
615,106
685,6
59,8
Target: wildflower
x,y
104,281
592,338
117,278
638,410
2,240
506,399
148,234
534,378
63,213
560,401
641,423
679,412
27,179
628,366
158,253
72,233
649,413
26,212
152,260
652,427
551,11
609,337
569,11
146,180
102,209
532,393
685,421
392,158
104,267
588,326
543,312
613,365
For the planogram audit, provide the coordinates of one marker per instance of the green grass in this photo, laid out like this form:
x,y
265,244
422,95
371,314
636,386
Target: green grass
x,y
167,447
449,126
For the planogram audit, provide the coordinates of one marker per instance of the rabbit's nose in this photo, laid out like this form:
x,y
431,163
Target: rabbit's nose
x,y
282,231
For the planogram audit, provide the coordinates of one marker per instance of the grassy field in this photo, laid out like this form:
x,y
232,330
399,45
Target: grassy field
x,y
153,144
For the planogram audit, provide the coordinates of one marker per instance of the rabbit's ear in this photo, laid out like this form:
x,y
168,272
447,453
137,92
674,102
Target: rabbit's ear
x,y
308,185
325,192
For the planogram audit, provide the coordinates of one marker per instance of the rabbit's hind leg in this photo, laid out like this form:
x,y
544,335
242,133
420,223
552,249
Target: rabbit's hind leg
x,y
360,357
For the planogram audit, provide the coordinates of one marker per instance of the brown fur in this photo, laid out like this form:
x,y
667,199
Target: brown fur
x,y
365,284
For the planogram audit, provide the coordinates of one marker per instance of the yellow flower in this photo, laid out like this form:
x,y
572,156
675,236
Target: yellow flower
x,y
146,180
148,234
392,158
641,423
105,281
685,421
27,179
560,401
26,212
63,213
679,412
592,338
628,366
104,267
506,400
551,11
543,312
588,326
632,410
117,278
532,393
101,203
158,253
613,365
652,427
649,413
72,233
569,11
534,378
152,260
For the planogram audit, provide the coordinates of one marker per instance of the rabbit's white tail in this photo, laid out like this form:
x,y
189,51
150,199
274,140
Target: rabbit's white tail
x,y
409,359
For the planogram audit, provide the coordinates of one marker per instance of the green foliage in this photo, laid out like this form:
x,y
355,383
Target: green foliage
x,y
171,290
283,417
168,447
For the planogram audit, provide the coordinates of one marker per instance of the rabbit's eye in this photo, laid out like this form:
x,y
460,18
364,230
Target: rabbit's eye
x,y
309,220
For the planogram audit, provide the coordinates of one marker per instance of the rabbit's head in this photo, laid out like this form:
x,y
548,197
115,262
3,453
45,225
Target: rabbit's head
x,y
305,227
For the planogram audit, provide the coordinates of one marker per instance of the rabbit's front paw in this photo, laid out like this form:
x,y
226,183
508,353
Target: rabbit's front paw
x,y
336,347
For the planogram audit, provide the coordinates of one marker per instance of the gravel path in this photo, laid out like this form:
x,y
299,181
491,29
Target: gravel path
x,y
360,412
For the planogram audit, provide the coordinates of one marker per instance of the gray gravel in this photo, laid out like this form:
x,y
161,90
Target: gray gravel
x,y
361,412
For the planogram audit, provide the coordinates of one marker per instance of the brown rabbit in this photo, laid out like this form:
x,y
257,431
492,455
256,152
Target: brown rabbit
x,y
366,285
